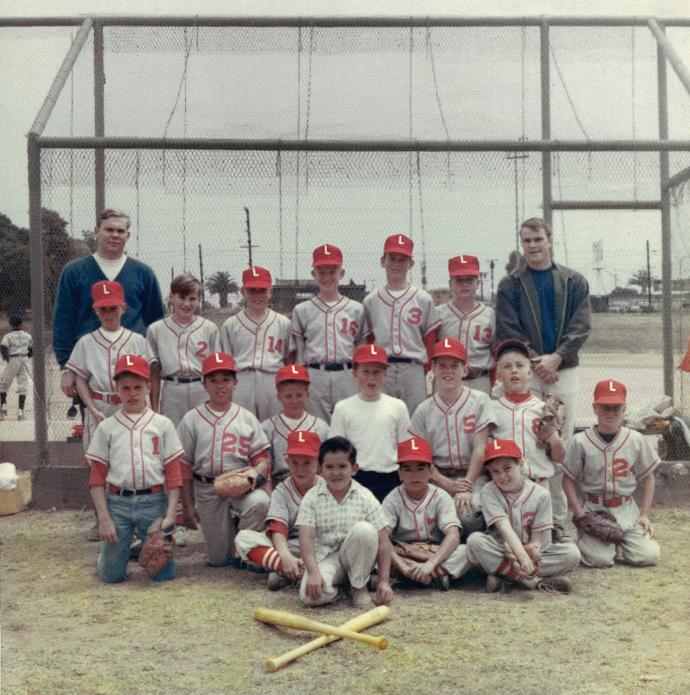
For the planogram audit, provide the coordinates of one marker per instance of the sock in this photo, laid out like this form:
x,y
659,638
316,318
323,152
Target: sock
x,y
179,516
22,401
266,557
506,570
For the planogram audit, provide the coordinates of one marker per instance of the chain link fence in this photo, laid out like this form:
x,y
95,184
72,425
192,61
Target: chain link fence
x,y
395,84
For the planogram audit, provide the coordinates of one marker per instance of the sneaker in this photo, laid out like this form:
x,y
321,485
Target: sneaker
x,y
20,415
442,583
556,584
181,536
93,534
361,597
72,412
493,583
277,581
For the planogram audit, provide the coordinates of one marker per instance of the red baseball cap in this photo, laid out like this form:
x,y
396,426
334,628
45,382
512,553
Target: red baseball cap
x,y
303,443
292,372
399,243
414,449
132,364
609,392
107,293
449,347
326,255
258,277
511,344
462,266
501,448
218,362
370,354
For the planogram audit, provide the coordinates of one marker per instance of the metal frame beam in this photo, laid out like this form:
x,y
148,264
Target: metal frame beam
x,y
606,205
99,115
664,45
681,177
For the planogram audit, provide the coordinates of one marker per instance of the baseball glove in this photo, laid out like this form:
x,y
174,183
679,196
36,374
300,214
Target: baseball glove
x,y
602,525
157,551
419,552
237,483
552,420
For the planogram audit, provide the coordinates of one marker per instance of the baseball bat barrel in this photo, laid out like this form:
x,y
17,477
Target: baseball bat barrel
x,y
299,622
357,624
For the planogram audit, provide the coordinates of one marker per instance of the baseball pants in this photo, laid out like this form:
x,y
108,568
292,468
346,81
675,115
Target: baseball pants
x,y
457,563
91,422
406,382
16,368
246,540
178,399
256,391
217,523
353,561
326,389
128,514
637,547
486,550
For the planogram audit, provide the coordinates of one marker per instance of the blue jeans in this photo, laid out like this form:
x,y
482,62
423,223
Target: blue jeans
x,y
129,513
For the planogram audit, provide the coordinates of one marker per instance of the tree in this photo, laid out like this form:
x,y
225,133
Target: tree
x,y
222,284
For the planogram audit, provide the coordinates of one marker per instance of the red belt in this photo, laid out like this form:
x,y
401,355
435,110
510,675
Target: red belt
x,y
610,502
134,493
112,398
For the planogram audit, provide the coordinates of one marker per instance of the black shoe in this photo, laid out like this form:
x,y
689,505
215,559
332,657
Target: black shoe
x,y
72,412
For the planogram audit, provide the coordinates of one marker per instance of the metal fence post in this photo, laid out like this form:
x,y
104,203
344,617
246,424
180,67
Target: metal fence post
x,y
37,300
99,114
545,121
666,269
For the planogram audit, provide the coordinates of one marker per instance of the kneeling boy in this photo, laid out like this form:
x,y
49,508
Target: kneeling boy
x,y
128,482
277,549
609,462
518,515
419,514
342,532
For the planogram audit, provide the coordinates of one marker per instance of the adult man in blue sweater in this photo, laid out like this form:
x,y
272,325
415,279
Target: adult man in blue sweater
x,y
73,316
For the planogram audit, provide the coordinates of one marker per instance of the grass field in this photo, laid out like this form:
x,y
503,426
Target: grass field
x,y
623,630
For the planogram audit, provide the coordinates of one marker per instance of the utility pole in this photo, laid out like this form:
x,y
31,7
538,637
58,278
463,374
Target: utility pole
x,y
481,284
249,246
515,156
201,278
492,265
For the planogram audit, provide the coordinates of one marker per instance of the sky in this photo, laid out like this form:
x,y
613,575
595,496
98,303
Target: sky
x,y
28,68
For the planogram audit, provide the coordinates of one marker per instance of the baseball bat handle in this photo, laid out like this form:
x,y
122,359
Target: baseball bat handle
x,y
299,622
356,624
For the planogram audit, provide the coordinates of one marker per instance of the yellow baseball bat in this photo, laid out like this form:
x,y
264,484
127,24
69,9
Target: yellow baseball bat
x,y
356,624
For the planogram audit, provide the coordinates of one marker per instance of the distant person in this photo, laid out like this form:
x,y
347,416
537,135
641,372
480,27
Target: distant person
x,y
73,315
16,348
546,305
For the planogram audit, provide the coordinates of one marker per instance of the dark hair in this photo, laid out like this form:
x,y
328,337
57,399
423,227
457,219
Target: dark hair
x,y
16,320
111,212
184,285
537,224
334,444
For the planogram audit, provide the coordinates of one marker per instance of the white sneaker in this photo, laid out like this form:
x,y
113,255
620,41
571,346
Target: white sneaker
x,y
20,415
361,597
181,536
277,581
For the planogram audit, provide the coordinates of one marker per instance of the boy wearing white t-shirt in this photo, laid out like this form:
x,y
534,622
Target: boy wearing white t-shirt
x,y
373,421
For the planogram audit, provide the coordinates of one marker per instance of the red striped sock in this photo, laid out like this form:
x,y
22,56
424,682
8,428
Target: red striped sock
x,y
266,557
505,568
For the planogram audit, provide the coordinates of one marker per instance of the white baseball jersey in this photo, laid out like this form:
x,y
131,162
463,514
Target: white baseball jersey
x,y
17,343
400,323
450,429
136,448
284,507
474,329
329,331
278,428
426,520
214,443
609,470
527,511
180,350
519,422
262,346
94,356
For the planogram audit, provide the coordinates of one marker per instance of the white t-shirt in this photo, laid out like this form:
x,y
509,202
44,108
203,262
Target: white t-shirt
x,y
374,427
110,268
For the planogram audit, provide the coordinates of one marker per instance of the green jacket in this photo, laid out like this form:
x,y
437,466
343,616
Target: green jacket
x,y
518,314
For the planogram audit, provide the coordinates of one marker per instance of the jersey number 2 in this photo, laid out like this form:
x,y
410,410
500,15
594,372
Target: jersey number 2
x,y
201,352
621,468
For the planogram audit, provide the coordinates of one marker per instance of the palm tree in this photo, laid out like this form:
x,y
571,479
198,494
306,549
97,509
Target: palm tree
x,y
222,284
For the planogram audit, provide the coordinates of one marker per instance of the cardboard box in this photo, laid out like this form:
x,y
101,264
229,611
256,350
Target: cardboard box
x,y
13,501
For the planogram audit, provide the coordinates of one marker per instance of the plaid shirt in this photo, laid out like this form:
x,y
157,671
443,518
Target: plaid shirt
x,y
332,519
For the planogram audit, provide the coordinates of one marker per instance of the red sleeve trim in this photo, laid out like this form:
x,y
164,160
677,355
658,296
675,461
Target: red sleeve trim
x,y
258,458
185,470
173,475
98,474
275,526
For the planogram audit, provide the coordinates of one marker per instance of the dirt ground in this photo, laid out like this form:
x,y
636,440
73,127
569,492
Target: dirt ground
x,y
623,630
